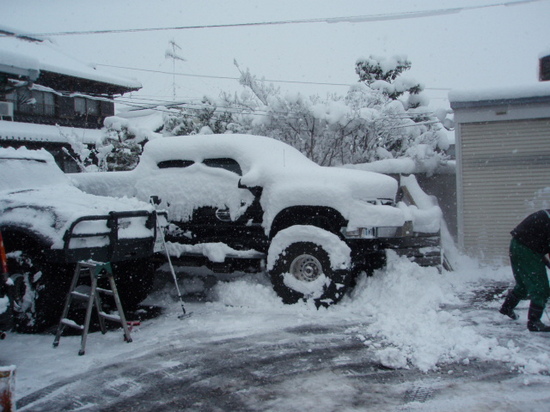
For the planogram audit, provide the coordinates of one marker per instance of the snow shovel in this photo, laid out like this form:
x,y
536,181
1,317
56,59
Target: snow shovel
x,y
155,201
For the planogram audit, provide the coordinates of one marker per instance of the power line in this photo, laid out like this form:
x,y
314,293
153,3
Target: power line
x,y
167,107
331,20
236,78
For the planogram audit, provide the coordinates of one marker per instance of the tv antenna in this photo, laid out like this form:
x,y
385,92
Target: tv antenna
x,y
172,53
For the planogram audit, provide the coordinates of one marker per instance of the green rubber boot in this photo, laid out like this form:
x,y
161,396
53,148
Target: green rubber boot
x,y
534,323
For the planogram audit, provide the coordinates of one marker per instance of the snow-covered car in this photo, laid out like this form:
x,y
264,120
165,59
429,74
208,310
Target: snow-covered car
x,y
48,225
243,199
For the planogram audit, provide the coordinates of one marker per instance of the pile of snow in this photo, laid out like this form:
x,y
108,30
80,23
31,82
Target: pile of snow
x,y
408,325
405,315
215,252
425,213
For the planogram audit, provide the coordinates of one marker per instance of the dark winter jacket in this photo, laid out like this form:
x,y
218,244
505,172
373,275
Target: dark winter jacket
x,y
534,232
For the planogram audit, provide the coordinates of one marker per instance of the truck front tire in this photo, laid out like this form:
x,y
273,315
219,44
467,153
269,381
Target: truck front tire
x,y
306,262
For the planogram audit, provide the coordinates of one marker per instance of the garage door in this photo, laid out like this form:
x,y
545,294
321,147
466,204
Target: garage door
x,y
505,174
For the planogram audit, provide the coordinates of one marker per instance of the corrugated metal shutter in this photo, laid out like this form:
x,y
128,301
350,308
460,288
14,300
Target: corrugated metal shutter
x,y
505,176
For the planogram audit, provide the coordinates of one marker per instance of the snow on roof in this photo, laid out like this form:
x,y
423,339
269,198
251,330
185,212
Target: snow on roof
x,y
15,63
46,133
25,52
529,92
151,119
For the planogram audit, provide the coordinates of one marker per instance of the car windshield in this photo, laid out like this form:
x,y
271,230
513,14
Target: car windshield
x,y
28,173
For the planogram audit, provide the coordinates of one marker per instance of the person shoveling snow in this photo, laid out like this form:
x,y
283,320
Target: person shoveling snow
x,y
528,249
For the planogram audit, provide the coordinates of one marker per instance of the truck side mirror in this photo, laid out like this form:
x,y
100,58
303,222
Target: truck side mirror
x,y
154,200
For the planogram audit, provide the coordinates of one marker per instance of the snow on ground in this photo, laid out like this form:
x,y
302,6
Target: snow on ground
x,y
414,321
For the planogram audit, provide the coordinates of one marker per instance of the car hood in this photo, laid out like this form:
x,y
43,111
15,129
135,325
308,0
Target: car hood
x,y
351,192
49,210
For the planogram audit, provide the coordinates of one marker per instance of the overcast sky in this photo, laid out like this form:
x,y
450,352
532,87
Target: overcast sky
x,y
472,48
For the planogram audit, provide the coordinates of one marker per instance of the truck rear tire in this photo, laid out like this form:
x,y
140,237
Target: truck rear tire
x,y
39,290
306,262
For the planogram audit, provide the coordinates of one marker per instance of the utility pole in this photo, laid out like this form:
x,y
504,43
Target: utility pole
x,y
172,53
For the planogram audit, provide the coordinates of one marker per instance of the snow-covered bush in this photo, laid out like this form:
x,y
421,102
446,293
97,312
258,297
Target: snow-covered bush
x,y
382,117
189,119
118,149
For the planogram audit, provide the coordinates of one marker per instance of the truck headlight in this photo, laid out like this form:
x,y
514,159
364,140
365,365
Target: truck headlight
x,y
369,232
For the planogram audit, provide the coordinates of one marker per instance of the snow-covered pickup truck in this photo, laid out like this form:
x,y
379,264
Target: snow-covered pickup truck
x,y
48,225
236,200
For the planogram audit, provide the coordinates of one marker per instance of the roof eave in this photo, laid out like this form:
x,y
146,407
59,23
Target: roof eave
x,y
467,104
63,82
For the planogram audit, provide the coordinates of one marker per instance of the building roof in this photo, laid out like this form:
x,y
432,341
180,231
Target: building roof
x,y
24,55
526,94
31,132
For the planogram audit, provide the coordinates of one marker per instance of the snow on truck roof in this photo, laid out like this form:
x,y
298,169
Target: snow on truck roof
x,y
222,144
248,150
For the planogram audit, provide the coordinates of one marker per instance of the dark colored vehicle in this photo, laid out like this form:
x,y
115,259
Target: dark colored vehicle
x,y
243,202
48,225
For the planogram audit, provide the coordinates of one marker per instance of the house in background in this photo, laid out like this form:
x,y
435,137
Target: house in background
x,y
48,100
503,162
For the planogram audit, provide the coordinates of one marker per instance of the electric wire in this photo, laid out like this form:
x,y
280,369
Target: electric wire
x,y
331,20
245,111
237,78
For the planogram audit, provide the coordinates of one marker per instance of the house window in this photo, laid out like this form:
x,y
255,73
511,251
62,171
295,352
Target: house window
x,y
25,101
86,107
44,103
49,104
33,102
92,107
80,105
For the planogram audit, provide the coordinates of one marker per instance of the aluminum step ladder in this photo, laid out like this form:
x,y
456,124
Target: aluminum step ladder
x,y
94,270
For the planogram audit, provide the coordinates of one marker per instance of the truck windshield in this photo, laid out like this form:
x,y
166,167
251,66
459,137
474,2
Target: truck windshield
x,y
28,173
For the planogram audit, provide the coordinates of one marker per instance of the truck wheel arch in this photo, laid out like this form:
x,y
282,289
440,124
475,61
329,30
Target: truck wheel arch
x,y
322,217
21,237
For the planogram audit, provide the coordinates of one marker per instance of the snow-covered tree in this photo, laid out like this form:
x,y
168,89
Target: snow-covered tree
x,y
120,147
402,120
188,119
384,74
370,123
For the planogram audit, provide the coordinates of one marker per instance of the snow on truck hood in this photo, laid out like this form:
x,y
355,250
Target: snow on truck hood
x,y
39,196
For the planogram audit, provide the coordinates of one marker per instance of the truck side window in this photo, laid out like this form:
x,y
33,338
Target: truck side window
x,y
178,163
224,163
